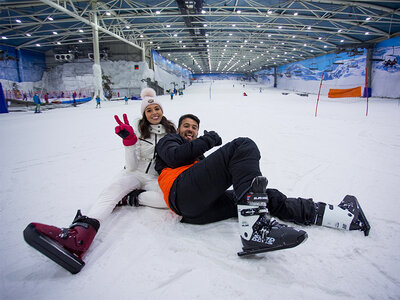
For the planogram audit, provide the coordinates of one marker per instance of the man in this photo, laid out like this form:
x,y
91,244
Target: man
x,y
195,188
37,102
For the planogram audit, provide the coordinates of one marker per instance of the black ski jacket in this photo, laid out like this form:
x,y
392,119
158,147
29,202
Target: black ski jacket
x,y
174,151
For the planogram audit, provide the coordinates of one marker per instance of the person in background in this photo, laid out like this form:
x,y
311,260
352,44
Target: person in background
x,y
46,98
74,99
126,100
37,102
98,100
135,185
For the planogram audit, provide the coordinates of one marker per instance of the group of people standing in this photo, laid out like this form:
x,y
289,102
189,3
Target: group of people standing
x,y
165,167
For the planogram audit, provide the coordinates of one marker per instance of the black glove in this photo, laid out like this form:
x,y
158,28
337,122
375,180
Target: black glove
x,y
213,138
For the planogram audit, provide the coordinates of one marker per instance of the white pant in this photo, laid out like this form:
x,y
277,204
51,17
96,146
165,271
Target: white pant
x,y
123,184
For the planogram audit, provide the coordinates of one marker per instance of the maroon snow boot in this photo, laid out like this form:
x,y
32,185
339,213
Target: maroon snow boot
x,y
65,246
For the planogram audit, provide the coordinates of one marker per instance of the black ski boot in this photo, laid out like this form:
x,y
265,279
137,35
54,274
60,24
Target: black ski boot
x,y
65,246
348,215
260,233
131,199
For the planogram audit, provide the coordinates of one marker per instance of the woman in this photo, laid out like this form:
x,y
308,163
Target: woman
x,y
137,182
139,174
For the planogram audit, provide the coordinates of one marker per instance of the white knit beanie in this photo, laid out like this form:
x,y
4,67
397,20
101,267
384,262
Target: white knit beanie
x,y
148,96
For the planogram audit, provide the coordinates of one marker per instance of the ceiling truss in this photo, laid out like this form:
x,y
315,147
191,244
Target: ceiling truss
x,y
204,36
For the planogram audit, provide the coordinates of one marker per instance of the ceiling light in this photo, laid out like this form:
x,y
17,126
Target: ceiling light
x,y
295,14
18,21
108,13
127,26
340,30
203,11
58,43
239,11
158,12
28,34
55,32
309,27
80,30
367,33
367,18
4,37
341,41
50,18
37,45
168,25
325,46
80,41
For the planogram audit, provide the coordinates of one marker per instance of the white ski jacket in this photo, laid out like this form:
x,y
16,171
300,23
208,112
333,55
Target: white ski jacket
x,y
139,173
141,156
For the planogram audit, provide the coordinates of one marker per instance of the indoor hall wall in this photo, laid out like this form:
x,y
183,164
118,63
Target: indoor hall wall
x,y
343,71
21,65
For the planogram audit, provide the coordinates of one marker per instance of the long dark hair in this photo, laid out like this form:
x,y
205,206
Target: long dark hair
x,y
144,126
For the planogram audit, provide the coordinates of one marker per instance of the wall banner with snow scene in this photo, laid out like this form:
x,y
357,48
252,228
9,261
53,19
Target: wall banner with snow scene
x,y
343,71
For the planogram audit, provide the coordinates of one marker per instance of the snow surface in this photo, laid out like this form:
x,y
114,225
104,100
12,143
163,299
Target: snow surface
x,y
58,161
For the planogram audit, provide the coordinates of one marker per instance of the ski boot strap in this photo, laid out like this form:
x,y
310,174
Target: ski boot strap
x,y
319,212
253,211
258,199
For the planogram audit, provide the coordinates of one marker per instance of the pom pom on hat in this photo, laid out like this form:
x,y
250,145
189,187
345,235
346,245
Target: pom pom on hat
x,y
149,97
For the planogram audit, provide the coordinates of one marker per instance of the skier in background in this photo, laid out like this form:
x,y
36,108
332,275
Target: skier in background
x,y
126,100
195,188
46,98
37,102
98,100
74,99
135,185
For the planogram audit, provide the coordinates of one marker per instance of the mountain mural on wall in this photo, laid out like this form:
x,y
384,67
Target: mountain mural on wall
x,y
338,69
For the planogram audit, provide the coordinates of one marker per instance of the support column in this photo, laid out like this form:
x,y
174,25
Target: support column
x,y
97,75
275,78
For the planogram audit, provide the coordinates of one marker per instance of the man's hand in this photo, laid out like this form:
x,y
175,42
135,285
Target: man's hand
x,y
213,138
125,131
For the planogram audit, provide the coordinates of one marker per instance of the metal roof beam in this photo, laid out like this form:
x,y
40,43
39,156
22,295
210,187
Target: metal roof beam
x,y
93,25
